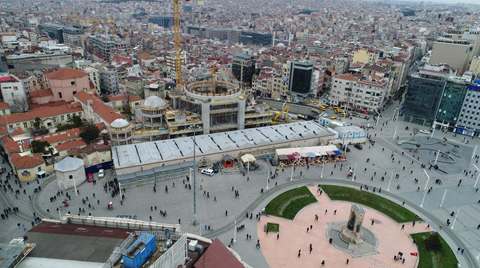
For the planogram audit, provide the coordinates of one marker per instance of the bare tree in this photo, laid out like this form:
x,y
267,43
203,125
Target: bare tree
x,y
415,132
20,105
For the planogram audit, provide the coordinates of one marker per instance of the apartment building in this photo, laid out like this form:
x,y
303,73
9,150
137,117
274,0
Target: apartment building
x,y
363,94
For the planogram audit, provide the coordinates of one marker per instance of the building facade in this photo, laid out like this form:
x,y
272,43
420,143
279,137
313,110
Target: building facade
x,y
423,97
300,80
243,67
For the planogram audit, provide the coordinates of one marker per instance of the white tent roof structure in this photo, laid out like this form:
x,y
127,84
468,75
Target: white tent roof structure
x,y
248,158
131,155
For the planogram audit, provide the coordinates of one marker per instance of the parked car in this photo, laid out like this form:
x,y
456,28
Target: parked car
x,y
424,131
208,172
369,126
358,146
215,167
346,148
101,173
90,177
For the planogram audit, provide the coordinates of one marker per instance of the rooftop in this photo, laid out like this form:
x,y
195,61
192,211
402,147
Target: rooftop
x,y
66,73
41,112
166,150
99,107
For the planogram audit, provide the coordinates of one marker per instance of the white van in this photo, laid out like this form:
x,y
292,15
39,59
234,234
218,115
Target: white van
x,y
208,172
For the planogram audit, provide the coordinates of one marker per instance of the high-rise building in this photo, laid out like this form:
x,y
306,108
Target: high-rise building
x,y
66,34
451,103
109,79
255,38
469,119
164,21
243,67
300,80
424,95
12,93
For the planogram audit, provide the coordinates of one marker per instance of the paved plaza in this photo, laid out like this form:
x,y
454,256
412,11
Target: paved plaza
x,y
293,236
221,214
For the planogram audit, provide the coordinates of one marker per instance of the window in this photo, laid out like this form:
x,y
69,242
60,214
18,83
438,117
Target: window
x,y
70,177
60,95
72,83
15,88
39,169
25,124
74,92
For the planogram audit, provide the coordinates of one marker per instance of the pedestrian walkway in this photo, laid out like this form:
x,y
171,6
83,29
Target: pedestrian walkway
x,y
293,236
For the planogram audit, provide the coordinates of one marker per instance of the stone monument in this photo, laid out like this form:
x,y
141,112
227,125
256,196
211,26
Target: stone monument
x,y
352,231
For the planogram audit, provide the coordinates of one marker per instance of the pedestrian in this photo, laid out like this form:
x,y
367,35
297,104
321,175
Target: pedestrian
x,y
413,224
403,261
311,227
311,248
179,220
335,212
463,250
278,236
308,229
373,221
226,212
348,261
403,226
325,212
299,252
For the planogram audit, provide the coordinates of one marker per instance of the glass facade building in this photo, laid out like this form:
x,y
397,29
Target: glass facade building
x,y
423,97
451,102
300,81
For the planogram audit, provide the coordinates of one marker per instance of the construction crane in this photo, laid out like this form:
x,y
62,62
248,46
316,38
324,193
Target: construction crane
x,y
95,23
112,28
176,27
274,121
79,16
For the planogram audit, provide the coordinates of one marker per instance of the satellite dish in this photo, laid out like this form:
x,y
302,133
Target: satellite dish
x,y
167,233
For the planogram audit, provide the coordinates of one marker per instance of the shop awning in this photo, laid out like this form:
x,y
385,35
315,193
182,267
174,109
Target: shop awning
x,y
291,157
310,154
331,153
282,157
337,152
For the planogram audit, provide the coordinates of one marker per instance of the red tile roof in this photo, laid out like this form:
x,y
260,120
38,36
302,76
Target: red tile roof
x,y
124,97
41,93
218,256
3,105
348,77
66,73
99,107
42,112
70,145
23,162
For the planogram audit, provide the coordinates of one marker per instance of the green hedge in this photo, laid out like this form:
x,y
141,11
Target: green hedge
x,y
393,210
289,203
445,258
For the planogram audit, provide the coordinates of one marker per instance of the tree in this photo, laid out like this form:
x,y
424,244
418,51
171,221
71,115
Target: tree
x,y
89,132
20,104
37,123
415,132
105,98
39,146
76,121
433,242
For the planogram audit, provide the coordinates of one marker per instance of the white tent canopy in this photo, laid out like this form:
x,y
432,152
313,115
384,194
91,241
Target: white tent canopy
x,y
248,158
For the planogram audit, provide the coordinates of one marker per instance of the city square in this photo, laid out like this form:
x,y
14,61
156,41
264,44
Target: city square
x,y
218,212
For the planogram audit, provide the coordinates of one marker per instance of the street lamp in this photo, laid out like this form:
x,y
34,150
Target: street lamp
x,y
426,184
194,128
476,181
354,170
